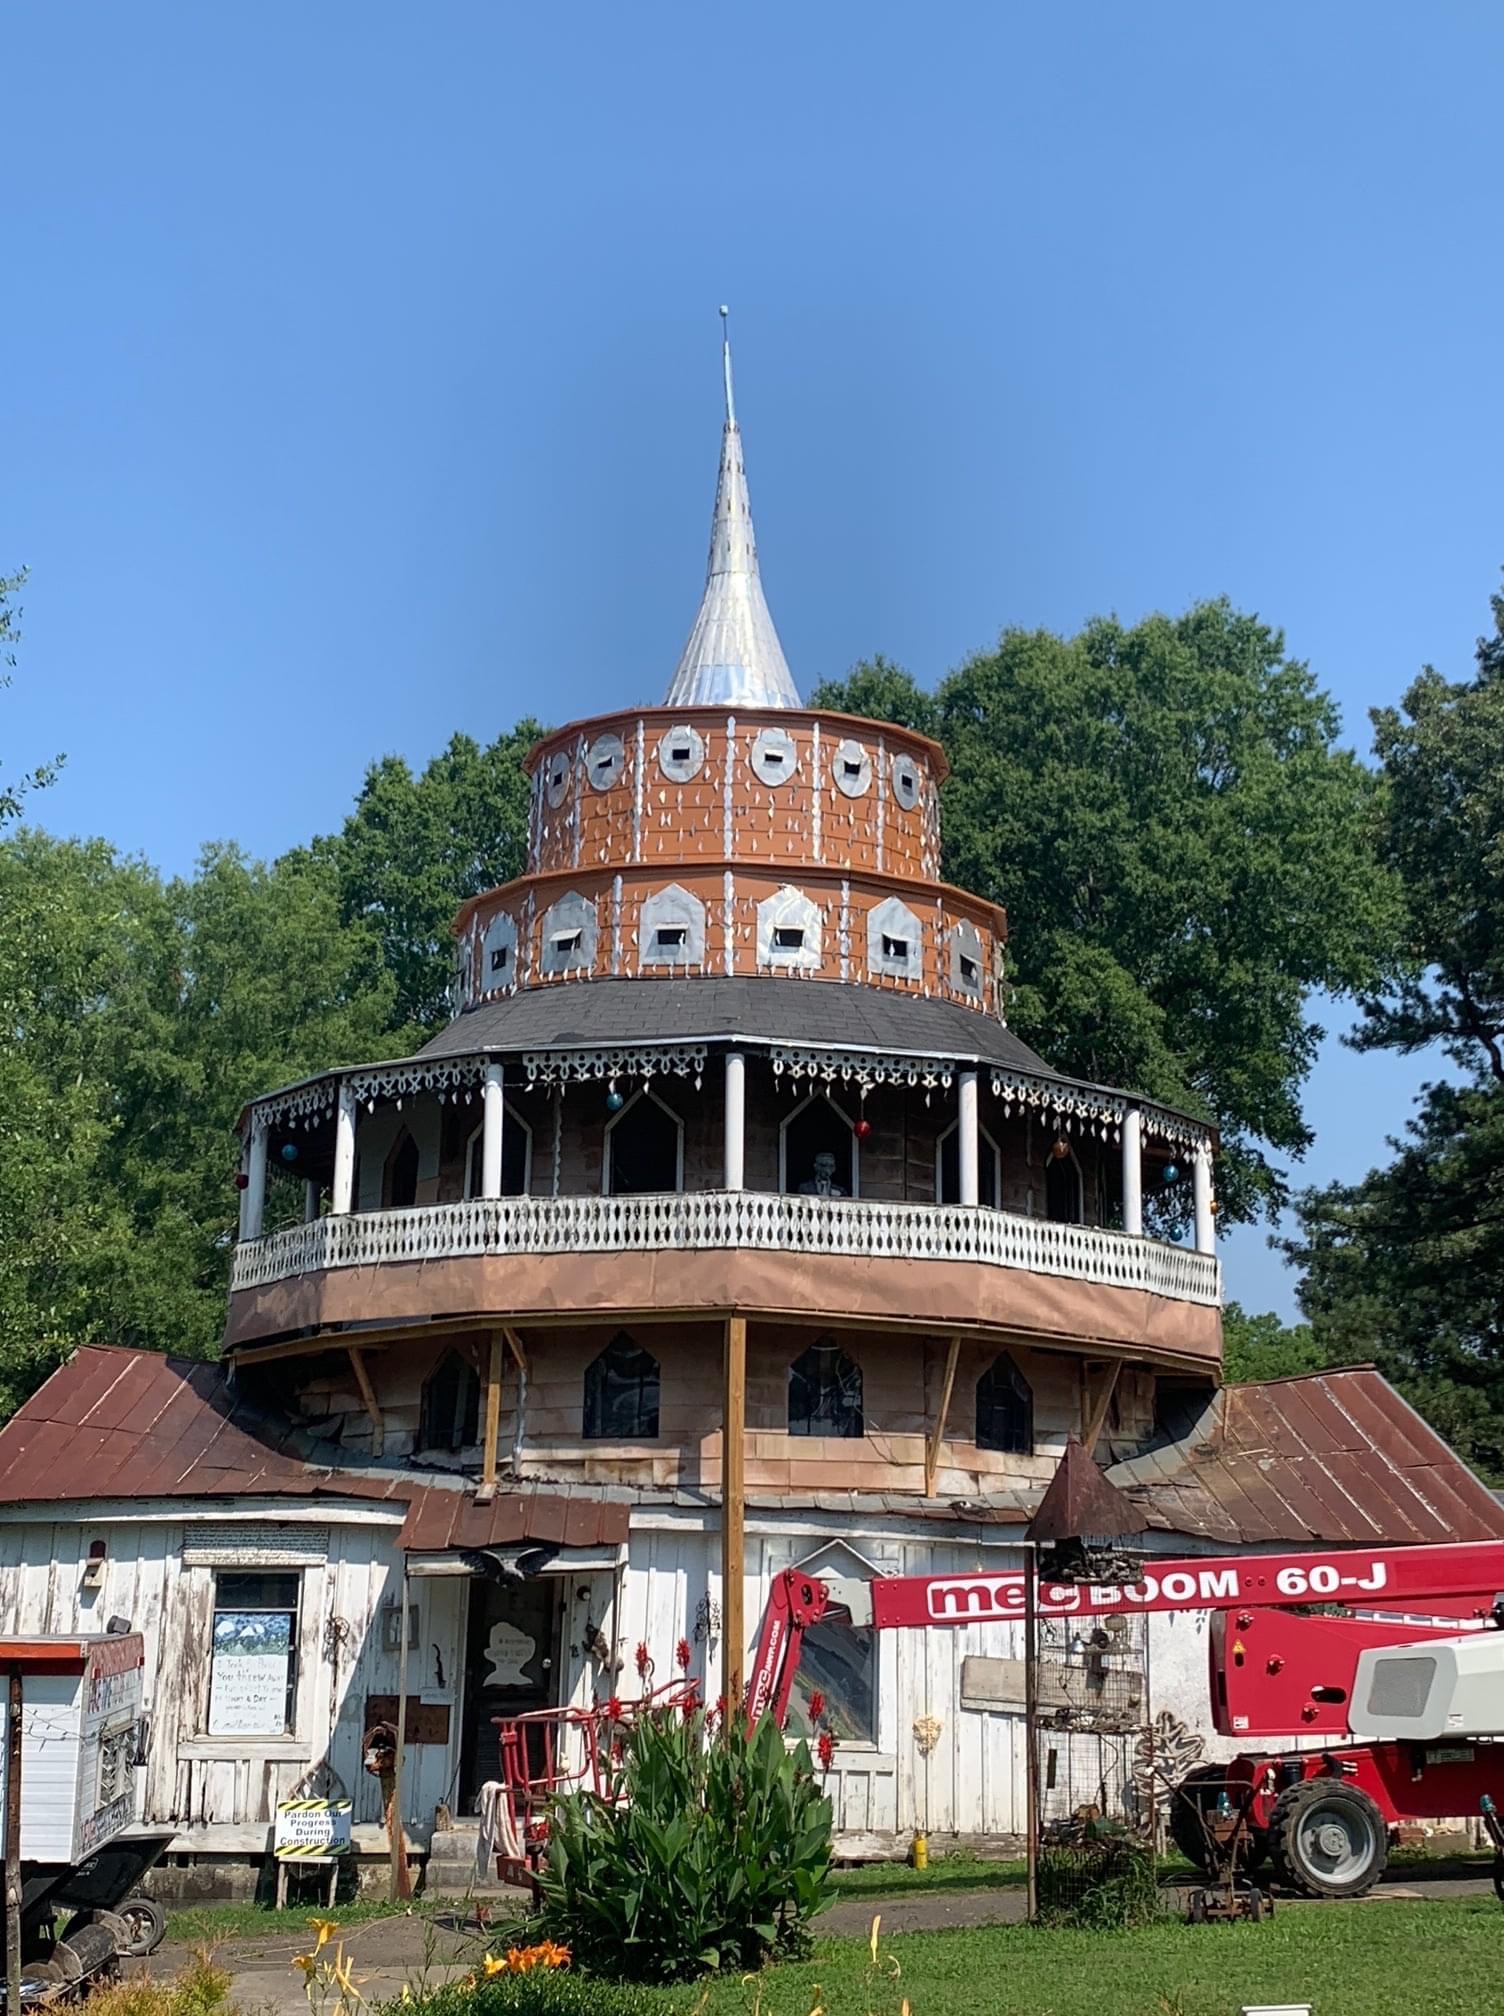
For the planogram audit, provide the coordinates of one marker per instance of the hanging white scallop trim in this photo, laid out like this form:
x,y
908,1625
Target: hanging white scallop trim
x,y
565,1067
860,1067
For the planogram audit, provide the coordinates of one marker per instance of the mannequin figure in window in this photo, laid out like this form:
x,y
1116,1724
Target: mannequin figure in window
x,y
823,1183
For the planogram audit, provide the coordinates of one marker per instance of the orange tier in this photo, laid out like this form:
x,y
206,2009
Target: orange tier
x,y
780,788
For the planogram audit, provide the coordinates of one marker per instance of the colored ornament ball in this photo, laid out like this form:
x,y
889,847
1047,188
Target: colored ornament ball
x,y
862,1129
242,1181
1061,1149
1172,1173
614,1101
289,1151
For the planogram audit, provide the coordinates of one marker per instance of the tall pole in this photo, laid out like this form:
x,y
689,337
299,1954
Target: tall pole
x,y
967,1142
253,1212
13,1844
1133,1172
1201,1178
1031,1721
401,1881
736,1120
342,1194
734,1511
493,1119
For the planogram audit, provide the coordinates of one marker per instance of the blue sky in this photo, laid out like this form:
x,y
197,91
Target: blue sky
x,y
359,377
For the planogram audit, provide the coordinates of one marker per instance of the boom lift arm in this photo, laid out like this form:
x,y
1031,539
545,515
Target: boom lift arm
x,y
1372,1580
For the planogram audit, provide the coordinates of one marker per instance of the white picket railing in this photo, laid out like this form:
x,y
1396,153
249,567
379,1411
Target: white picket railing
x,y
706,1219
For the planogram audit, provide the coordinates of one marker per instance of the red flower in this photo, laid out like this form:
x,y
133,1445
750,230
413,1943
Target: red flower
x,y
643,1661
617,1751
687,1707
817,1707
720,1708
683,1654
613,1709
825,1749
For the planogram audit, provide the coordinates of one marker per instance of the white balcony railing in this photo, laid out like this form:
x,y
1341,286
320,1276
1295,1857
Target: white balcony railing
x,y
704,1220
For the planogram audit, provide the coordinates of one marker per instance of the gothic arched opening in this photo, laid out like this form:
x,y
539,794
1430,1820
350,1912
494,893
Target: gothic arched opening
x,y
825,1392
644,1148
621,1393
449,1415
1005,1409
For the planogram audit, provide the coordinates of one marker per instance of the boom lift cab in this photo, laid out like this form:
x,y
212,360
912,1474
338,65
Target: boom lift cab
x,y
1420,1692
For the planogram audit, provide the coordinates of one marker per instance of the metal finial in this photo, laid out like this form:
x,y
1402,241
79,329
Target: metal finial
x,y
726,363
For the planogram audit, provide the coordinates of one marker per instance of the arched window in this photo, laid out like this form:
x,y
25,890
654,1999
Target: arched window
x,y
644,1148
621,1393
516,1156
1062,1187
825,1392
449,1417
400,1187
818,1150
1005,1409
948,1168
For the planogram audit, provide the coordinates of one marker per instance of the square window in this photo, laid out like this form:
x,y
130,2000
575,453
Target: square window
x,y
788,937
253,1660
671,937
567,941
896,949
499,959
968,970
851,769
681,753
773,758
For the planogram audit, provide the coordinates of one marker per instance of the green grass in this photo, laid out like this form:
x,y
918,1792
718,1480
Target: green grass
x,y
946,1872
206,1924
1368,1959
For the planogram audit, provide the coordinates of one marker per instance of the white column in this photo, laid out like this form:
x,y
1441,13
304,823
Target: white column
x,y
253,1197
1201,1176
493,1118
736,1120
967,1140
1133,1171
342,1195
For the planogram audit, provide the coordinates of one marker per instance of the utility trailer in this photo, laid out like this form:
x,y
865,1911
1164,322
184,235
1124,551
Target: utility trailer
x,y
82,1736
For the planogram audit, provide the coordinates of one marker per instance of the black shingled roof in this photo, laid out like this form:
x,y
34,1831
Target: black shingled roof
x,y
587,1013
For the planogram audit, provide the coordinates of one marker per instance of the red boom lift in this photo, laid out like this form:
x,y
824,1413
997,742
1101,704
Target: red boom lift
x,y
1389,1654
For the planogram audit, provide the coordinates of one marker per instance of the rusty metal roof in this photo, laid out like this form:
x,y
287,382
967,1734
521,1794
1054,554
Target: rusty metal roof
x,y
111,1423
1333,1456
1326,1456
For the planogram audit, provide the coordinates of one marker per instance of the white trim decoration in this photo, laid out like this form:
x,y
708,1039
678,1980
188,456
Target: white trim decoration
x,y
704,1220
860,1067
578,1067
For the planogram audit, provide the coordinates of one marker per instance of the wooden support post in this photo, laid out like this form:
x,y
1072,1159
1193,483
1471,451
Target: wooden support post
x,y
13,1843
401,1878
369,1401
492,1429
937,1433
1096,1419
734,1510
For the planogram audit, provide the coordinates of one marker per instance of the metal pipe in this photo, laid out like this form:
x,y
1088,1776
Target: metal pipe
x,y
402,1882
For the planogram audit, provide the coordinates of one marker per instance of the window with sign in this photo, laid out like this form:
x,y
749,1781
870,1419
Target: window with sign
x,y
253,1671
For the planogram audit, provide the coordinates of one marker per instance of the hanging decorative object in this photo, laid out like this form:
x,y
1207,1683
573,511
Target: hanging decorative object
x,y
289,1151
861,1128
1171,1173
242,1181
615,1100
1060,1148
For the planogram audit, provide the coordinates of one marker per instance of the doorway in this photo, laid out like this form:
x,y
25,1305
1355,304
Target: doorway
x,y
511,1646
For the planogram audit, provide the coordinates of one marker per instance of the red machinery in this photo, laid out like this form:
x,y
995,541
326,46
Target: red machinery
x,y
1338,1644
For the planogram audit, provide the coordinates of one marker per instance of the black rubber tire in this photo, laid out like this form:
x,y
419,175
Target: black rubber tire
x,y
148,1926
1299,1859
1185,1828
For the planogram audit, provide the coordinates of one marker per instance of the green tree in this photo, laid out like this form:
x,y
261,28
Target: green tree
x,y
1262,1347
1408,1265
13,792
1184,852
144,1014
415,847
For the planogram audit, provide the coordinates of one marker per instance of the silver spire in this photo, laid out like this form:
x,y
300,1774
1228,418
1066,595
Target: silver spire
x,y
733,657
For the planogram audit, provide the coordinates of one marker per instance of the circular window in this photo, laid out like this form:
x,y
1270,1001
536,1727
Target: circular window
x,y
774,756
851,767
905,775
604,760
681,754
557,777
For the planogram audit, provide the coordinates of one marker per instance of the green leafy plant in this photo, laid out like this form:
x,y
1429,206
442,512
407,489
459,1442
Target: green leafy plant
x,y
709,1849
